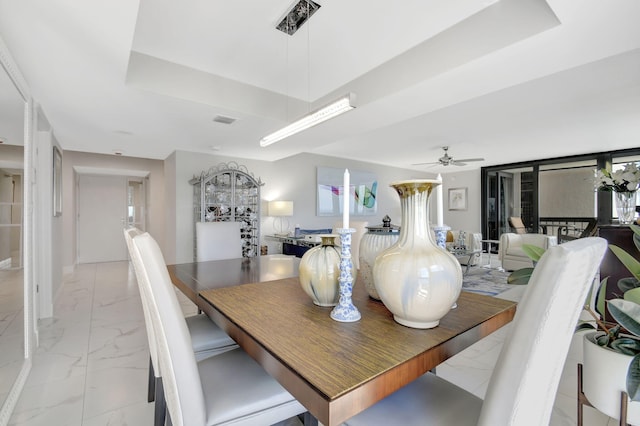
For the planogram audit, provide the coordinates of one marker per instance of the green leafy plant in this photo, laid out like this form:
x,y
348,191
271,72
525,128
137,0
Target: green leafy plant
x,y
625,311
522,276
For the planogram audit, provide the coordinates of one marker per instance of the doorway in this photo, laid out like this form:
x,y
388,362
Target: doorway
x,y
500,205
11,218
106,205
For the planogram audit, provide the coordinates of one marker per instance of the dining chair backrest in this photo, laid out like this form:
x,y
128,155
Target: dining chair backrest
x,y
524,382
134,254
218,241
181,380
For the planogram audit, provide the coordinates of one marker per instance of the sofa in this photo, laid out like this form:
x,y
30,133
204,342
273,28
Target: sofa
x,y
510,252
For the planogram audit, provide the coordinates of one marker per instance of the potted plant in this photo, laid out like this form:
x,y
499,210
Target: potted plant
x,y
612,354
624,184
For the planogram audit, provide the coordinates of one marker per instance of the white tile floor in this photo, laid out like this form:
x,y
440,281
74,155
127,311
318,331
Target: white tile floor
x,y
91,366
11,329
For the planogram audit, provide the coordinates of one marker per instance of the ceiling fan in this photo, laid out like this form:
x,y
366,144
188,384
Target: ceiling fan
x,y
446,160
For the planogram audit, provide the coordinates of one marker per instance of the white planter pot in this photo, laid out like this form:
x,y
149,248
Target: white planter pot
x,y
604,376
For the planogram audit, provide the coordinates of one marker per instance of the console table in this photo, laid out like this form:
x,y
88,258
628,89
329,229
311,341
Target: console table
x,y
293,246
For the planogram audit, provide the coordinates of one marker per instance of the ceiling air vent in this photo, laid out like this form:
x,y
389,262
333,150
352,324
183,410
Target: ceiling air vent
x,y
224,120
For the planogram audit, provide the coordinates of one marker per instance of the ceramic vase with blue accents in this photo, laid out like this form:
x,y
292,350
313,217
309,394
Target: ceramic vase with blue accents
x,y
345,310
415,279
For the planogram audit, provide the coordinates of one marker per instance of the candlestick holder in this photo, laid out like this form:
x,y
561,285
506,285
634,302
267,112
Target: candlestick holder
x,y
441,235
345,311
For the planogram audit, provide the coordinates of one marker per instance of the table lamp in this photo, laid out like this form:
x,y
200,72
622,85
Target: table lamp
x,y
280,210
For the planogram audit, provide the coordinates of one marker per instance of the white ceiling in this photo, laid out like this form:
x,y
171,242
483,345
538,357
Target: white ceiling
x,y
511,80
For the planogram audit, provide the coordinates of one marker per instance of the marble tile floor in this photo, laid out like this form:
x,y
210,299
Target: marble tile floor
x,y
91,365
11,329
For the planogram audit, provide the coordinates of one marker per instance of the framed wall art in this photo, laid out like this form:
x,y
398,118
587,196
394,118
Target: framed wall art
x,y
458,198
363,187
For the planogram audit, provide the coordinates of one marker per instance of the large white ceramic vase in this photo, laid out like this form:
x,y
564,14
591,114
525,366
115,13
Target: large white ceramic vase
x,y
604,378
416,280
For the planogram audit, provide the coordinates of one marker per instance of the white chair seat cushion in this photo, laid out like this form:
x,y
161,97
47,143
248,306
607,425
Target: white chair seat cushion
x,y
235,387
428,397
207,338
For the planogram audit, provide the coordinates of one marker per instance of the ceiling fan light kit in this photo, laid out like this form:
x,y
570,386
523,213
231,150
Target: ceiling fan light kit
x,y
340,106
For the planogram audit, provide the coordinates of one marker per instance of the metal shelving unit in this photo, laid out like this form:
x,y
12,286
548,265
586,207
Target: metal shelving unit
x,y
228,192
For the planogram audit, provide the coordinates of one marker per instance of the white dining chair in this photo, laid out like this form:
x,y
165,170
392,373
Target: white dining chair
x,y
229,388
524,382
218,241
206,337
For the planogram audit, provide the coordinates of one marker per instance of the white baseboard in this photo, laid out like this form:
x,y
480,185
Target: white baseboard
x,y
14,393
69,269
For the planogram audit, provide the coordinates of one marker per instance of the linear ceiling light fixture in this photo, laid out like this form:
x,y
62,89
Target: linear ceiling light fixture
x,y
342,105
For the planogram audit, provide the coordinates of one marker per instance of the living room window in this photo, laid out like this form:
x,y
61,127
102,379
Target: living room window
x,y
541,191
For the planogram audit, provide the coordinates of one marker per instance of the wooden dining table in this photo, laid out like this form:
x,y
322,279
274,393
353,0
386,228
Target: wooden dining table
x,y
334,369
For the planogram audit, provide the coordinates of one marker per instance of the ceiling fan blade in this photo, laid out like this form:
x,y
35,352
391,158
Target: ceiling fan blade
x,y
426,164
458,163
469,159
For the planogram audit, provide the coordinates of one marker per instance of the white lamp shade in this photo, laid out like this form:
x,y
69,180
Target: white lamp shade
x,y
280,208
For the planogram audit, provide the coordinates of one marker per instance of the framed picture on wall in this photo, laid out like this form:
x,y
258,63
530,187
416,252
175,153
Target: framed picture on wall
x,y
57,181
362,192
458,198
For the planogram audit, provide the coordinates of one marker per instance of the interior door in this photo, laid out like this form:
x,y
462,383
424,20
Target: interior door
x,y
102,207
500,203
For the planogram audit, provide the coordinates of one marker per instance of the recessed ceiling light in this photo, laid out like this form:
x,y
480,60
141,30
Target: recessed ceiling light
x,y
117,152
215,147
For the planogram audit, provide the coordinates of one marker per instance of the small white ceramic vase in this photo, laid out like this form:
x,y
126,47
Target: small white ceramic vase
x,y
319,272
415,279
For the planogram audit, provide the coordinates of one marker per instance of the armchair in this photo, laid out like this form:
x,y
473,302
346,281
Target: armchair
x,y
510,251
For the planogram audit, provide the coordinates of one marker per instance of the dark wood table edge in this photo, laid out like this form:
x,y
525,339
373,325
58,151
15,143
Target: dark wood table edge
x,y
342,408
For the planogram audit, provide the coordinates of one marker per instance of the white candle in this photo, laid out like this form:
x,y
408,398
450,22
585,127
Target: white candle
x,y
439,202
345,202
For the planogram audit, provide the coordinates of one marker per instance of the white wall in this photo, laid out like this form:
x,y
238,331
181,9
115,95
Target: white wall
x,y
48,248
292,178
170,233
468,220
155,189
